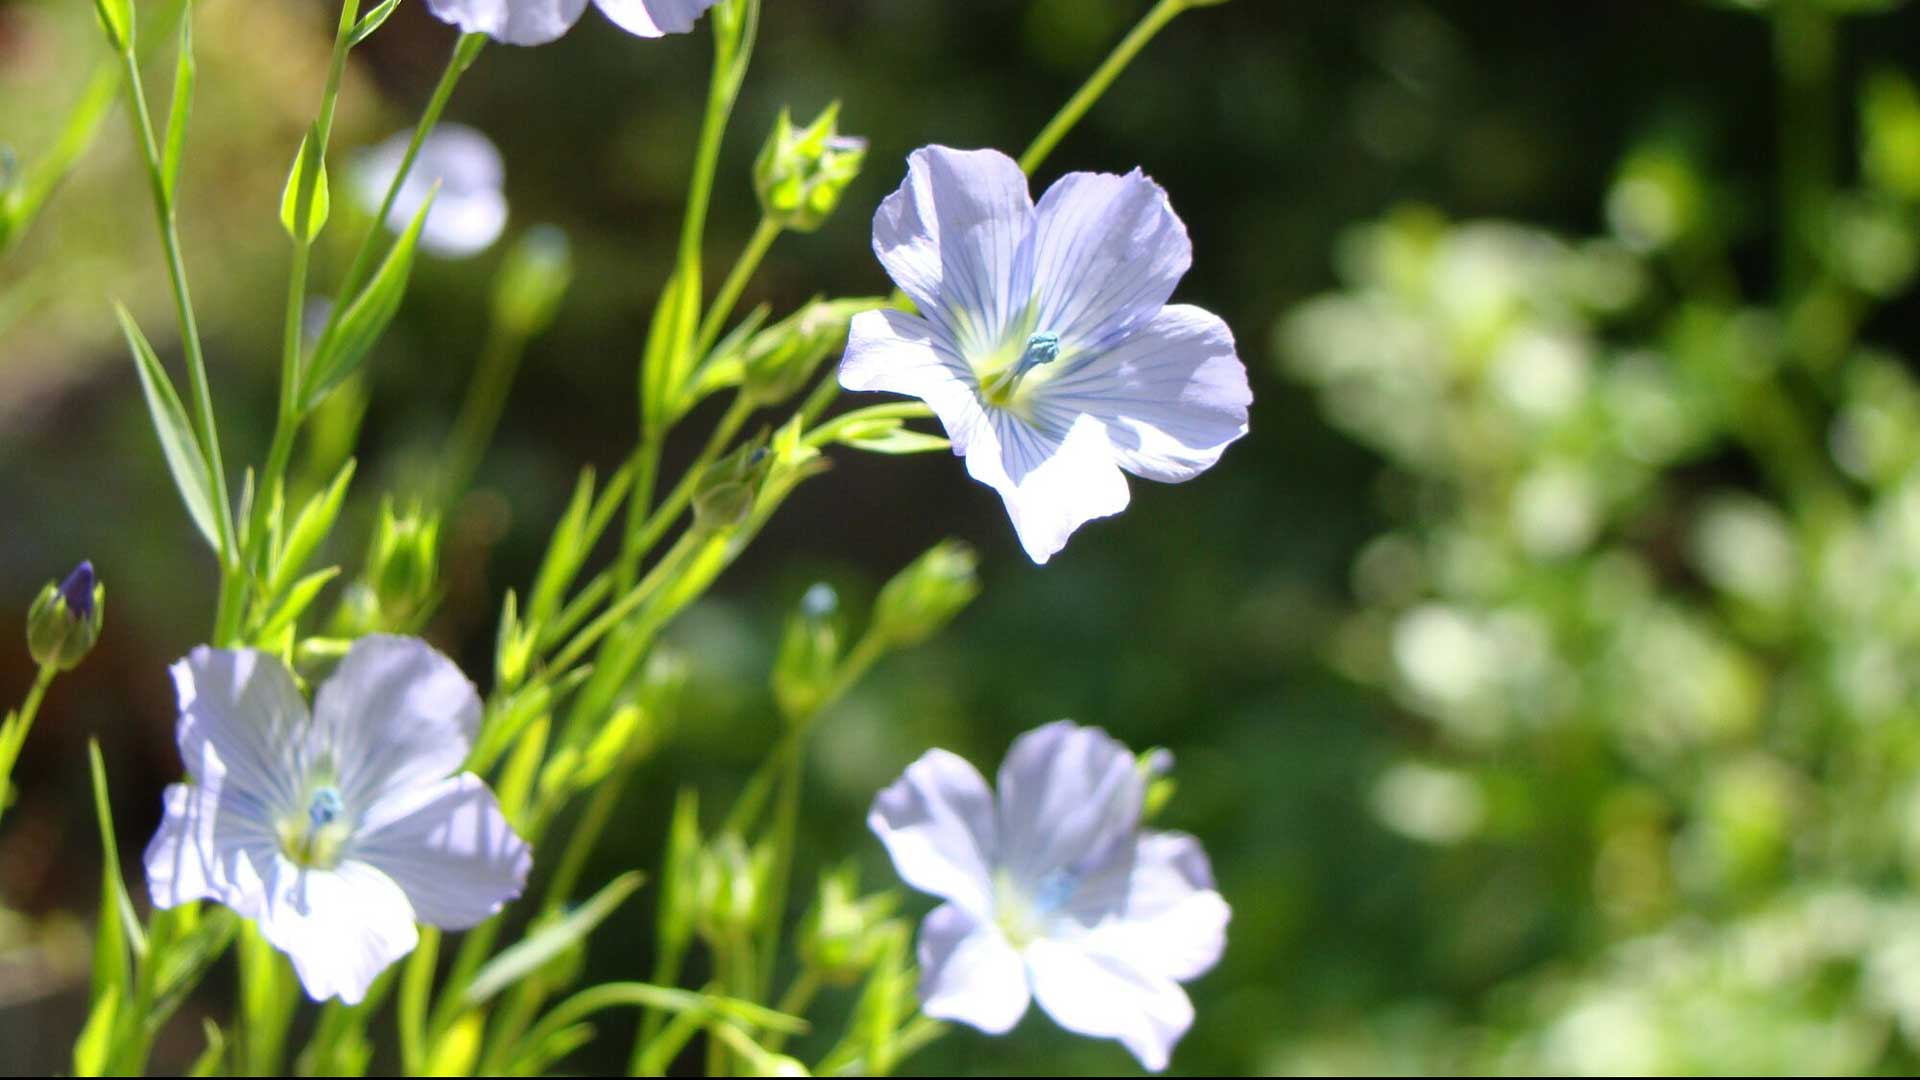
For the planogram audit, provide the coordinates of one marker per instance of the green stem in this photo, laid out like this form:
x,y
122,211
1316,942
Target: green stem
x,y
1096,85
13,733
202,392
287,417
764,234
662,519
794,1003
464,51
480,412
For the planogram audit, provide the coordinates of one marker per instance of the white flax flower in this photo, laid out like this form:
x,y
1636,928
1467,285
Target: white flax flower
x,y
536,22
337,829
1053,891
1044,341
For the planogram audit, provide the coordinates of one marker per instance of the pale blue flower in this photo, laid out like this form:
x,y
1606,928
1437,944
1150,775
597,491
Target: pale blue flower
x,y
469,208
1054,892
536,22
1044,341
336,830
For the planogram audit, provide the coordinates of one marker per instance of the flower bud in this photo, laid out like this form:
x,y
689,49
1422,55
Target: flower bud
x,y
403,563
64,621
725,492
731,888
803,674
779,360
844,933
532,281
926,595
800,175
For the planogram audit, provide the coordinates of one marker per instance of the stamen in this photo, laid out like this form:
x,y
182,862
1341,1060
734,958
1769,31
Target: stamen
x,y
1042,348
324,808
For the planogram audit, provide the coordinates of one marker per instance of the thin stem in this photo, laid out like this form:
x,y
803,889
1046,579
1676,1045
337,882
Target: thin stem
x,y
1096,85
13,735
764,234
1805,48
464,51
287,418
480,413
202,392
794,1003
662,519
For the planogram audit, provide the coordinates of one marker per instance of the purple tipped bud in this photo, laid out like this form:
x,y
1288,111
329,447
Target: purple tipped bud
x,y
77,591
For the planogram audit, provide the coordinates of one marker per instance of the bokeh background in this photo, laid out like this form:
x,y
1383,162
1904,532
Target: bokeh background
x,y
1541,669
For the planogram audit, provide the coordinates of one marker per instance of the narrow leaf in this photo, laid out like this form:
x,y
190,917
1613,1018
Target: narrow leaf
x,y
342,350
191,474
891,436
531,953
183,76
304,202
298,598
310,530
118,935
90,1050
565,553
667,359
370,22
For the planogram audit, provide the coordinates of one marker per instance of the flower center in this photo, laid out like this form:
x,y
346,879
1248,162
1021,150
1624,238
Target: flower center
x,y
1042,348
1024,913
317,839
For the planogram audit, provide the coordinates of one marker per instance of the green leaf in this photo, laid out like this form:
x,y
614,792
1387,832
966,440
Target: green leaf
x,y
183,76
95,1043
211,1061
565,553
304,202
116,18
344,348
118,936
310,530
370,22
298,598
531,953
668,357
191,474
179,967
890,436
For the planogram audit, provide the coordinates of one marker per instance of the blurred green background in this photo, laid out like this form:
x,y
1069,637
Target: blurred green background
x,y
1541,669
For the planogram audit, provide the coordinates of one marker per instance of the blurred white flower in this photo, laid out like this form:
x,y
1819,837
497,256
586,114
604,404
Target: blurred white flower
x,y
469,211
1044,341
536,22
334,830
1053,891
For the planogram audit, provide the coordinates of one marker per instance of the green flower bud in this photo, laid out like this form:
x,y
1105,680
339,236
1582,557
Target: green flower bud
x,y
731,888
844,933
779,360
403,563
800,175
924,597
726,490
803,674
65,619
532,281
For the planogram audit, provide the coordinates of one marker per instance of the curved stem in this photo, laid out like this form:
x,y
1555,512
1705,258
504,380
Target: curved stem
x,y
763,237
1096,85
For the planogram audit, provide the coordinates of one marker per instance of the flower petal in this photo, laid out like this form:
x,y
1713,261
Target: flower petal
x,y
396,715
1055,473
470,210
340,927
1175,923
448,848
179,854
1107,253
653,18
1172,394
1069,802
243,724
899,353
515,22
952,237
969,972
937,824
1104,996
